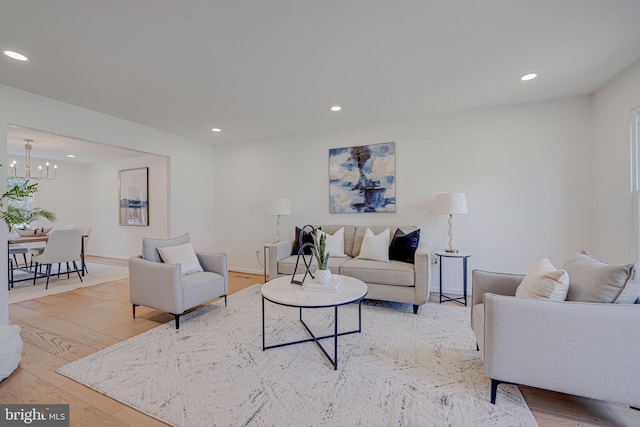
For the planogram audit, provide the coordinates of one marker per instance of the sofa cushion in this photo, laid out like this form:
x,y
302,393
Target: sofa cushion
x,y
287,265
544,281
403,246
387,273
335,243
375,246
593,280
150,246
183,255
200,287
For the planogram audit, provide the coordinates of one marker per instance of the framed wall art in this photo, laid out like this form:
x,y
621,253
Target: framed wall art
x,y
363,178
134,196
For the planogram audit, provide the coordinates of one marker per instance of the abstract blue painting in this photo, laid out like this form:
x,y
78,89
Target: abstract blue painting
x,y
363,178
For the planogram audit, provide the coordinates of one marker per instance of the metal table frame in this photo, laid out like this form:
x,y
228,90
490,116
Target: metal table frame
x,y
335,335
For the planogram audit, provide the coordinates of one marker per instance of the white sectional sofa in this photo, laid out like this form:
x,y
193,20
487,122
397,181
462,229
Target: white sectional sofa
x,y
387,281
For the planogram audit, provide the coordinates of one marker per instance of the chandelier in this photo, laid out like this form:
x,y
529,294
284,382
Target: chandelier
x,y
42,172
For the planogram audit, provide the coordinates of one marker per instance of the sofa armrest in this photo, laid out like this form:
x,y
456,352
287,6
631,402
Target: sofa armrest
x,y
587,349
155,284
278,251
422,268
215,263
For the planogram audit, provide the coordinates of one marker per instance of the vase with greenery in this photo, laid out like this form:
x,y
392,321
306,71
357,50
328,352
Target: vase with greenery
x,y
319,250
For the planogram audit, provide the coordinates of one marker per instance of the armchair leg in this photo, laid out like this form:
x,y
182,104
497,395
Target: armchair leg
x,y
134,310
494,388
225,300
415,308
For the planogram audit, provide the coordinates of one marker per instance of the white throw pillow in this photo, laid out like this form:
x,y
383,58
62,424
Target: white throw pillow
x,y
181,254
544,281
375,246
335,243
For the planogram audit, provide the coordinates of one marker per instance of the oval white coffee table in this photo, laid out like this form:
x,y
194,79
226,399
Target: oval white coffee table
x,y
282,292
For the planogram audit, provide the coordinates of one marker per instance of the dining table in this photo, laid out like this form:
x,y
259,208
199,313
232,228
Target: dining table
x,y
13,239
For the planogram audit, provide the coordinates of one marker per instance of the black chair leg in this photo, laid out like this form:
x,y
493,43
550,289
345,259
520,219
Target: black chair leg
x,y
75,266
48,275
177,317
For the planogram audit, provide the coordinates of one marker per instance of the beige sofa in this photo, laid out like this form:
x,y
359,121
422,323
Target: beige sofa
x,y
387,281
581,348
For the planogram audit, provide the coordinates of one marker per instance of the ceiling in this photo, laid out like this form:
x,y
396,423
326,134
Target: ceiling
x,y
56,148
260,69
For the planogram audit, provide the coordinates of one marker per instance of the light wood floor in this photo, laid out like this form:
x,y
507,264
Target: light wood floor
x,y
62,328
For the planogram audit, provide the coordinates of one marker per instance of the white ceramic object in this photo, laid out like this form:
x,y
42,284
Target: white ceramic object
x,y
33,233
323,276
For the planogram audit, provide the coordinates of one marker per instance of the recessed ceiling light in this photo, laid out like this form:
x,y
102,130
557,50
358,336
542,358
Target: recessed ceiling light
x,y
216,130
528,77
336,108
71,155
15,55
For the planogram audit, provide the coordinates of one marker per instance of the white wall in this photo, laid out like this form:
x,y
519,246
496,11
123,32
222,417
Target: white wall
x,y
64,196
190,172
526,171
612,105
108,238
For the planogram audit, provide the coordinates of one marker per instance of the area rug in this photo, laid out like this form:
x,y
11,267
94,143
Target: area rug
x,y
402,370
98,273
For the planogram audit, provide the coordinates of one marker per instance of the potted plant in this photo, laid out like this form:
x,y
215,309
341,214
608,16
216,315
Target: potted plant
x,y
319,250
18,218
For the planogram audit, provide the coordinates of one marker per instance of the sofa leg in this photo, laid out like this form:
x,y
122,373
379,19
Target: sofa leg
x,y
225,300
134,310
177,317
415,308
477,347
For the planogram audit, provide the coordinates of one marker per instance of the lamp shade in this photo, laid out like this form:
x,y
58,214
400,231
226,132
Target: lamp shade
x,y
451,204
279,207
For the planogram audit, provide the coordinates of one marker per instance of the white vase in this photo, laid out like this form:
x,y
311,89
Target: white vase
x,y
323,276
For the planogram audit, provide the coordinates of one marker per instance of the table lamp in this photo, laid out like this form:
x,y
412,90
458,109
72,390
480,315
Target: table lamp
x,y
451,204
279,207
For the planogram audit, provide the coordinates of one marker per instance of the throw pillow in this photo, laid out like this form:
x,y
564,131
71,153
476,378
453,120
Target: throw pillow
x,y
306,238
403,246
183,255
593,280
150,246
544,281
375,246
335,243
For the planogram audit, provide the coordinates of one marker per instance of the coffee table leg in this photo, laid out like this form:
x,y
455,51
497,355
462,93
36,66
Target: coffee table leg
x,y
335,340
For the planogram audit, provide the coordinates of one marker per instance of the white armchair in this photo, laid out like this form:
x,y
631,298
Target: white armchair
x,y
162,286
582,348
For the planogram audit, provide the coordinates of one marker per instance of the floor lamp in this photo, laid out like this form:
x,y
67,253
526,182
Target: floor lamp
x,y
279,207
451,204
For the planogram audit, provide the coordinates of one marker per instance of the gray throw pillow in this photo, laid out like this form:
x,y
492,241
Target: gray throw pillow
x,y
150,246
593,280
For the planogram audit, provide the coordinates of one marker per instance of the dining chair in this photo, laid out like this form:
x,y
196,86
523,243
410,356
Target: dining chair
x,y
63,246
